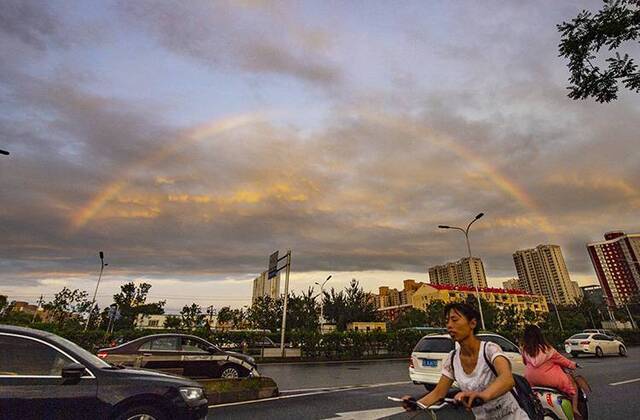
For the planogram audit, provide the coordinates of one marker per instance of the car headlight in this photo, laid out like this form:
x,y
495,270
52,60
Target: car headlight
x,y
192,394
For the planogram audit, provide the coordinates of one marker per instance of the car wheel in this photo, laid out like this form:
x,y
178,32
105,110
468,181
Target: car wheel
x,y
599,352
574,354
622,351
142,412
230,372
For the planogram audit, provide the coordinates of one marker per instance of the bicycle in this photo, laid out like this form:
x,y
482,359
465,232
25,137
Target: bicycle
x,y
420,408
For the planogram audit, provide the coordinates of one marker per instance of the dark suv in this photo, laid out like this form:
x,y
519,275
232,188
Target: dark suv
x,y
44,376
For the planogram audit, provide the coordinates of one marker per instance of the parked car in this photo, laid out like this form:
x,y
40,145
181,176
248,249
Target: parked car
x,y
594,343
181,354
429,354
44,376
605,332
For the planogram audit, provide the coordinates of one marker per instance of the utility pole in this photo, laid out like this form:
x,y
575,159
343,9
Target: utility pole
x,y
40,302
286,299
475,282
95,293
321,294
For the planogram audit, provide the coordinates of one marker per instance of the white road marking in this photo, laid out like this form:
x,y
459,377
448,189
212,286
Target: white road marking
x,y
375,414
320,391
625,382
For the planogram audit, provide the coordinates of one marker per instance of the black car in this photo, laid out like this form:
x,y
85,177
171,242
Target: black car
x,y
181,354
44,376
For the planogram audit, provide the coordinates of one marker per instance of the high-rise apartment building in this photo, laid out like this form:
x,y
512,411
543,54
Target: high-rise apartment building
x,y
616,263
464,272
542,271
263,286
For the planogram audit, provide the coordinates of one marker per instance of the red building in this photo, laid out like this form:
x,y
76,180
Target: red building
x,y
615,261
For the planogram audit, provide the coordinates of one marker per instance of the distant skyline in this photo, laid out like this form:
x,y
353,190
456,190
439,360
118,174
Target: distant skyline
x,y
189,140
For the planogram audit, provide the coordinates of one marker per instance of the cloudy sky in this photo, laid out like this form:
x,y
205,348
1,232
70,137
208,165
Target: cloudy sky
x,y
189,140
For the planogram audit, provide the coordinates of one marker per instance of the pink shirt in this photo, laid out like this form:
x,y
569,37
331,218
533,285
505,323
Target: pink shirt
x,y
545,369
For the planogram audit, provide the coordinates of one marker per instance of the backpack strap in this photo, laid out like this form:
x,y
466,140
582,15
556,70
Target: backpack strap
x,y
493,369
453,355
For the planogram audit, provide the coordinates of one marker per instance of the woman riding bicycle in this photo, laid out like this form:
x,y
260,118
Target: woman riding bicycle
x,y
469,369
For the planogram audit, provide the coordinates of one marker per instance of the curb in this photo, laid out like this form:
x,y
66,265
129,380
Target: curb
x,y
223,391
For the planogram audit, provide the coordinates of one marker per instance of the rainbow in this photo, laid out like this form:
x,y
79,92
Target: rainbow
x,y
88,212
500,180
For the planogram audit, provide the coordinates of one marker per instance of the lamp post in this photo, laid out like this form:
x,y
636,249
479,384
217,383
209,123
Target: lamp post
x,y
95,293
466,235
322,301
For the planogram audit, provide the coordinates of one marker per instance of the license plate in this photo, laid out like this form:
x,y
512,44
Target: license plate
x,y
429,363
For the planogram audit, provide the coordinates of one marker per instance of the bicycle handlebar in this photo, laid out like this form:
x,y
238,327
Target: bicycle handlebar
x,y
439,405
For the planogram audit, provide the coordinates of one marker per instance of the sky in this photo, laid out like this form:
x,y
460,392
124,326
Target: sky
x,y
190,140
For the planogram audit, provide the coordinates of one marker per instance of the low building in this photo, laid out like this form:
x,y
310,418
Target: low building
x,y
391,313
367,326
522,300
23,307
151,322
594,294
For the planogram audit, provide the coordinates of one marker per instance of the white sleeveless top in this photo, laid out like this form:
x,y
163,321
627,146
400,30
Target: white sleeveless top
x,y
504,407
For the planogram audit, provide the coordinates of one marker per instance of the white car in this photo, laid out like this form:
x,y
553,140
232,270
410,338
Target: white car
x,y
429,354
594,343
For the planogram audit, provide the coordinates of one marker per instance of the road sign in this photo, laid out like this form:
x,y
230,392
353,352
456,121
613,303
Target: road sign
x,y
273,265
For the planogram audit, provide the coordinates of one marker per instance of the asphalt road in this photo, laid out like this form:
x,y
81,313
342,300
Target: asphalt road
x,y
361,390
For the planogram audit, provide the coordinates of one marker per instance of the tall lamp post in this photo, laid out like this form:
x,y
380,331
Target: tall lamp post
x,y
95,293
322,301
466,235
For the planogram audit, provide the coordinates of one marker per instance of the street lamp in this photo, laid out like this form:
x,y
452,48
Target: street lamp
x,y
322,300
466,235
93,302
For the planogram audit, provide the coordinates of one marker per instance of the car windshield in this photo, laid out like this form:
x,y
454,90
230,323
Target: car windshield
x,y
92,359
580,336
434,345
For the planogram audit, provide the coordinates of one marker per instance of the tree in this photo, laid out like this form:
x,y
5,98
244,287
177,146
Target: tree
x,y
225,315
582,39
4,304
264,314
412,318
350,305
435,314
192,317
173,322
303,312
131,302
68,305
238,317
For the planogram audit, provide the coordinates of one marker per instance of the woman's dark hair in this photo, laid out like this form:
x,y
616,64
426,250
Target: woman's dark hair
x,y
467,311
533,341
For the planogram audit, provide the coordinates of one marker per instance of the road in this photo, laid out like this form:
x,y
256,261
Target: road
x,y
360,391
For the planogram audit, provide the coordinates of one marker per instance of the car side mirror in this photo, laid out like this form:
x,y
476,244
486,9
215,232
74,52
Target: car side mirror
x,y
212,350
73,371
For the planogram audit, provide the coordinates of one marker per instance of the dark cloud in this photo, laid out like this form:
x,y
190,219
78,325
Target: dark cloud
x,y
32,22
365,190
229,36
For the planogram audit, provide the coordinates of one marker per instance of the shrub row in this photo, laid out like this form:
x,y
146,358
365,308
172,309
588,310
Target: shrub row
x,y
336,345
